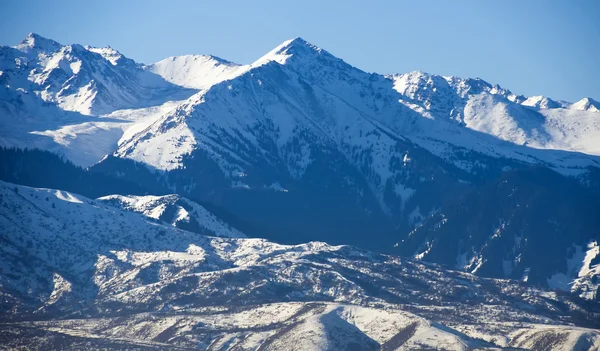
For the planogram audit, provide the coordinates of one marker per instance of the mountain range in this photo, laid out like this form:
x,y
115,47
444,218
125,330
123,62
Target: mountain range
x,y
296,147
83,273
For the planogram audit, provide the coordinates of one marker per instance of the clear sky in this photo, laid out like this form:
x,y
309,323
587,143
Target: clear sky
x,y
532,47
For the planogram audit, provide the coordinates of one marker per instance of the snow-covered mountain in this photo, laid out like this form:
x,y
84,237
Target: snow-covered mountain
x,y
88,80
99,81
586,104
304,147
480,109
79,272
52,97
465,113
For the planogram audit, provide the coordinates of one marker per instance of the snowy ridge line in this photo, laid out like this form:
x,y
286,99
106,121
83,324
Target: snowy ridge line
x,y
531,124
175,210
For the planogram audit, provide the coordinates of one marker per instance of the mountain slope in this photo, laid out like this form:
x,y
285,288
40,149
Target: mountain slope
x,y
124,280
534,229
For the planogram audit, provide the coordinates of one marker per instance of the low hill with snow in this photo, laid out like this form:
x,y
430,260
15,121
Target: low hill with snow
x,y
77,271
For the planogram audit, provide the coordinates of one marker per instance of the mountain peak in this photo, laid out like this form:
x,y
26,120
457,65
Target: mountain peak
x,y
110,54
587,104
195,71
296,47
36,41
297,42
539,101
218,60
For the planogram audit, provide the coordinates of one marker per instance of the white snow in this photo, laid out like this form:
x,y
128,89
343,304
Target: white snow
x,y
196,71
156,206
580,274
541,102
110,54
61,286
586,104
66,196
593,250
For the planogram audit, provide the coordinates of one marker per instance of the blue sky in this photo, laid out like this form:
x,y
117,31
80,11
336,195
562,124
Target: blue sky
x,y
532,47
